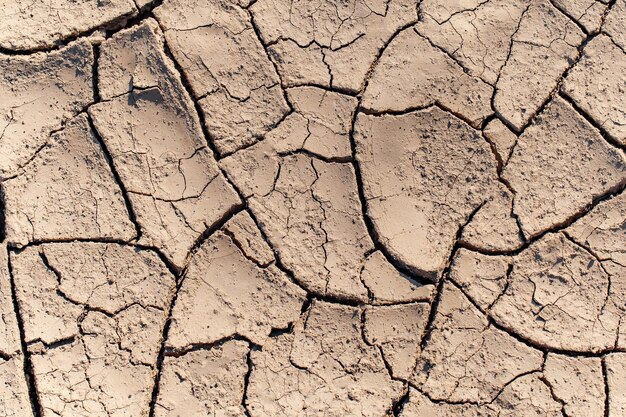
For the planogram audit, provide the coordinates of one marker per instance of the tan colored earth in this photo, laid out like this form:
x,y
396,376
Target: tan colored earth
x,y
294,208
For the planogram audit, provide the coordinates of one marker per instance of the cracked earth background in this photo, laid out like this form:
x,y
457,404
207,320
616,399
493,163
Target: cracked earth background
x,y
313,208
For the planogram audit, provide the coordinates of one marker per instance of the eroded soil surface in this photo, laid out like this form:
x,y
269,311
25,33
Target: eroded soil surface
x,y
265,208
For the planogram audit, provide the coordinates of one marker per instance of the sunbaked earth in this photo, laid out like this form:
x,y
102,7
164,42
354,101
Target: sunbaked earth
x,y
265,208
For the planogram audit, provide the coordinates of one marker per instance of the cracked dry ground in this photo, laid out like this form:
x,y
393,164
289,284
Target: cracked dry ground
x,y
313,208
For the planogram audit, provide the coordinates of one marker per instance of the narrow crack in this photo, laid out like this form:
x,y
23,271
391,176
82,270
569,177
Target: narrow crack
x,y
161,356
28,366
607,392
246,378
109,159
3,227
607,137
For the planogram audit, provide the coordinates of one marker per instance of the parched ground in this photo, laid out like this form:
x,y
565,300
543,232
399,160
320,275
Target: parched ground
x,y
294,208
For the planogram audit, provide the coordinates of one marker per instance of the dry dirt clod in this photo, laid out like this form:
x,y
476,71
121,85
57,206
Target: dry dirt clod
x,y
150,128
224,293
228,70
559,166
466,359
14,396
602,230
614,23
616,383
323,368
387,285
419,188
397,330
555,294
543,47
14,400
66,192
588,13
596,85
329,119
204,382
577,382
476,33
40,92
26,25
336,43
310,211
412,73
94,330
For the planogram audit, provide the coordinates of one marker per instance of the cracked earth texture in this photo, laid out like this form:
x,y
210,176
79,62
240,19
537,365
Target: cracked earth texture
x,y
265,208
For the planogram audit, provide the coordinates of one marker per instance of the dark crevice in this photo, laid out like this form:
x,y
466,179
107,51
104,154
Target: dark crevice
x,y
28,366
95,79
194,347
313,155
215,226
246,379
570,17
437,299
607,398
430,322
54,345
398,405
3,230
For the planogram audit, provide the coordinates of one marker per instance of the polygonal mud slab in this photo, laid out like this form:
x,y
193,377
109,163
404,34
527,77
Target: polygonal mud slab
x,y
397,330
467,359
94,329
205,382
67,192
40,92
478,35
616,382
602,230
14,395
412,73
324,367
14,399
542,48
596,85
229,72
559,166
578,382
225,293
26,25
555,294
424,174
528,396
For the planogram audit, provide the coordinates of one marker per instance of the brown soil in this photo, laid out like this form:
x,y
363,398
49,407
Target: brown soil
x,y
265,208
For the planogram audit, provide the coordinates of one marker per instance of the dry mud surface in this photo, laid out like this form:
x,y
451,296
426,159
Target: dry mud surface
x,y
313,208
